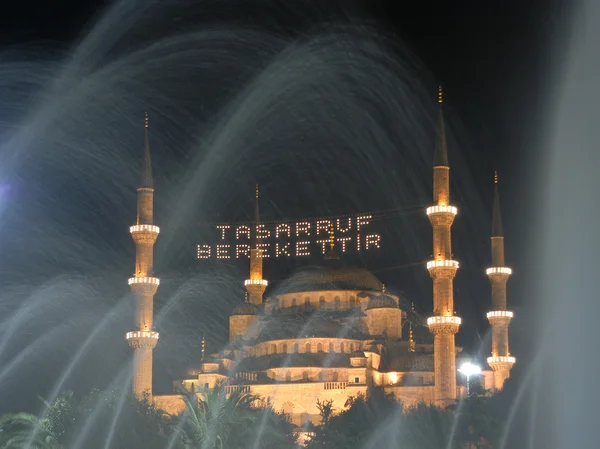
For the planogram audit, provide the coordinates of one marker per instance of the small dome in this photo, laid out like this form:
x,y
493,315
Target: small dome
x,y
245,308
358,354
382,302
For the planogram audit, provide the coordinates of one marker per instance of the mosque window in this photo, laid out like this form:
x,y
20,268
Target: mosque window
x,y
351,348
342,347
307,347
288,376
206,386
320,347
322,302
352,302
284,348
305,375
193,387
294,302
331,347
295,348
273,349
356,380
337,302
306,303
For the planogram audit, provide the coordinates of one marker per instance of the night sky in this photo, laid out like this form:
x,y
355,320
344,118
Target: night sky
x,y
491,57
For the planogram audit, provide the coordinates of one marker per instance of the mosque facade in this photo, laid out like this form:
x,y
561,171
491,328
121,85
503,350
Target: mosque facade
x,y
332,332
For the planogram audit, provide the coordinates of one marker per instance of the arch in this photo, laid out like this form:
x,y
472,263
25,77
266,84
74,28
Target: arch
x,y
288,376
305,375
331,349
322,302
307,347
351,348
307,303
284,348
273,349
320,347
342,347
352,302
293,302
295,350
337,303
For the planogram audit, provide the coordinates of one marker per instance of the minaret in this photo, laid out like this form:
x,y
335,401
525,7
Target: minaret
x,y
500,361
256,285
412,347
442,269
143,283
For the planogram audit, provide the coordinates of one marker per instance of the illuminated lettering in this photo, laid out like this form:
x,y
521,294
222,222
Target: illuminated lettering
x,y
343,241
282,251
302,248
323,244
242,230
283,229
261,232
323,225
223,228
357,242
204,251
361,221
262,250
223,251
242,250
340,228
302,227
372,240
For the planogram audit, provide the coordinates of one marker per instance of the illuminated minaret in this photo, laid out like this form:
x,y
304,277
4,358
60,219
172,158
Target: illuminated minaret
x,y
144,285
442,269
500,361
256,285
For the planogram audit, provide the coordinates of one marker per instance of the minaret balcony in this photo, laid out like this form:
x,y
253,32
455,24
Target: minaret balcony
x,y
443,324
144,228
263,282
501,363
442,268
142,339
144,285
442,209
500,314
498,270
144,280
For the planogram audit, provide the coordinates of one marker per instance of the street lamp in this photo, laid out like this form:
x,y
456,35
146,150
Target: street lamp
x,y
469,369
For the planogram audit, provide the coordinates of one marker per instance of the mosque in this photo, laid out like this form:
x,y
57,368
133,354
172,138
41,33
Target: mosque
x,y
332,332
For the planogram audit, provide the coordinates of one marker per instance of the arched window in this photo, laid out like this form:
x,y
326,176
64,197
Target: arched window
x,y
320,347
322,302
305,375
342,347
284,348
306,303
352,302
337,303
273,349
307,347
351,348
295,348
288,376
293,302
330,347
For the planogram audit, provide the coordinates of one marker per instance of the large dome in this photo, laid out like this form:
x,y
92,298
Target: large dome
x,y
324,278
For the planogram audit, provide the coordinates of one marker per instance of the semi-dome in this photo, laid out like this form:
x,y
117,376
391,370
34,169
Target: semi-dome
x,y
327,278
358,354
382,302
245,308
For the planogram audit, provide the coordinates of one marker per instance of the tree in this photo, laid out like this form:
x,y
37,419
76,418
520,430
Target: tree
x,y
20,430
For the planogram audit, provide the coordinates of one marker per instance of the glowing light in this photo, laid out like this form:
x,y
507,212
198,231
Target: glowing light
x,y
144,228
362,221
323,244
339,228
501,359
283,229
495,270
144,280
242,231
358,242
442,209
142,334
469,369
444,320
262,232
262,250
302,227
282,250
343,241
442,263
302,248
242,249
500,313
323,225
256,282
223,228
392,377
223,251
372,240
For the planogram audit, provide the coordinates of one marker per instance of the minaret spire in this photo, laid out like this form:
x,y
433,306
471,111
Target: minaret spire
x,y
256,285
143,283
501,361
442,269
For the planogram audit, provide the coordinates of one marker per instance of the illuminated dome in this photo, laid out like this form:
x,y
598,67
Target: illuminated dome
x,y
245,308
382,302
325,278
